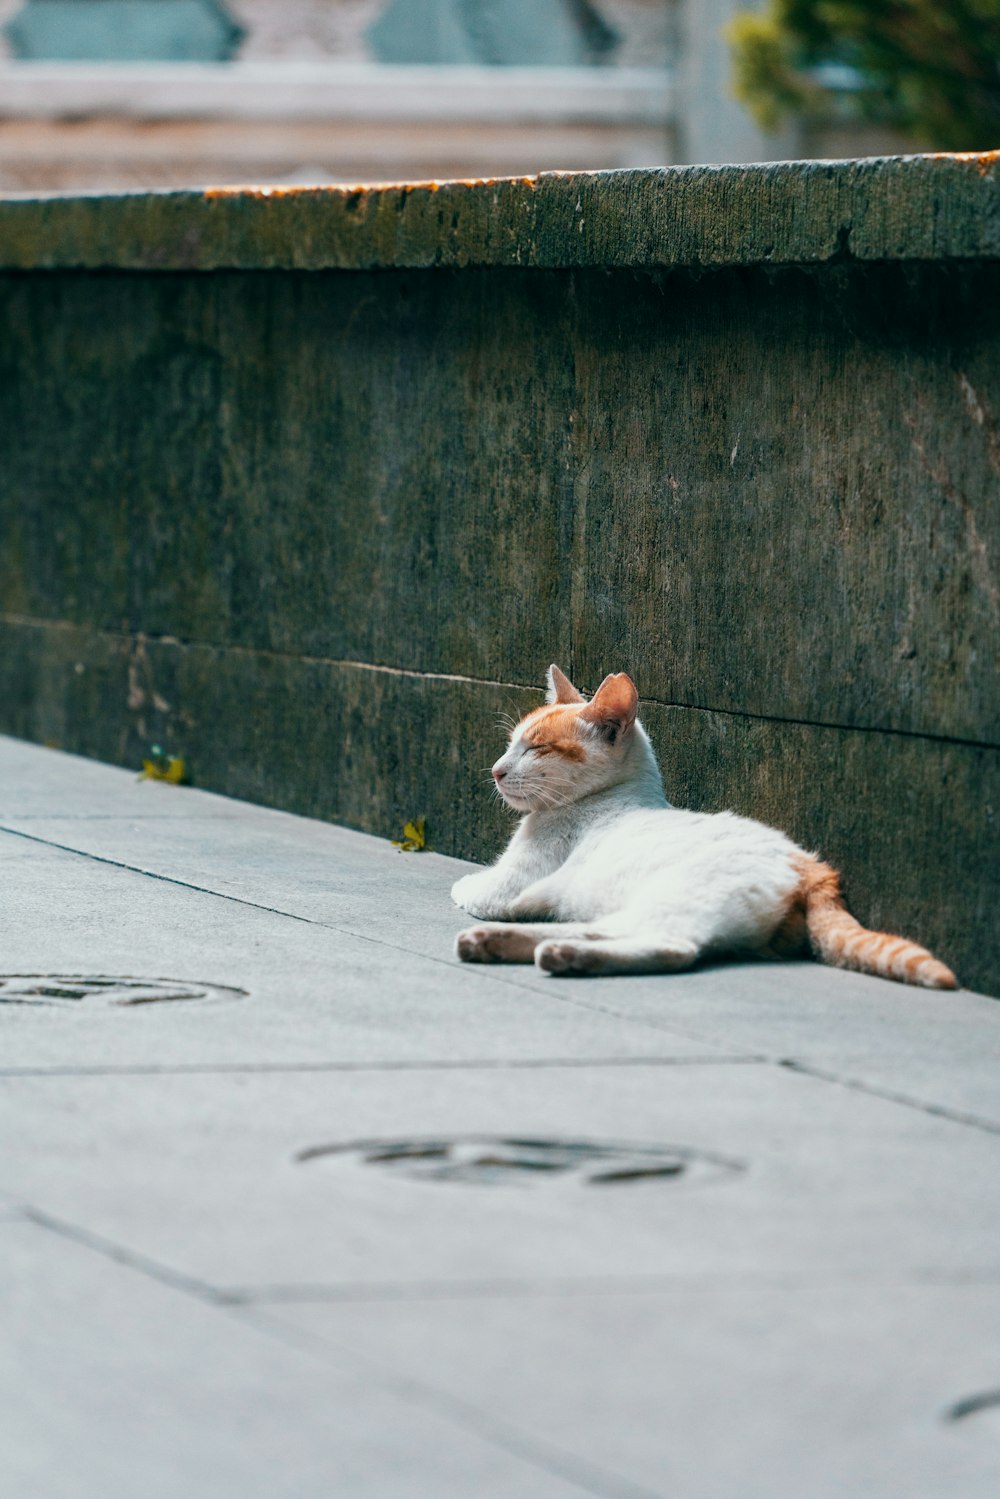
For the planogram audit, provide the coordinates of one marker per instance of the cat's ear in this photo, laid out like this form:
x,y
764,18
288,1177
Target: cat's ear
x,y
613,707
561,689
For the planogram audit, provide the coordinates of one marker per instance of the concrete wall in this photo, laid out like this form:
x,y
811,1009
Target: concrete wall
x,y
310,487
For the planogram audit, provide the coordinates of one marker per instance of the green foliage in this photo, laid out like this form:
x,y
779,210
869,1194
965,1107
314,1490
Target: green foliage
x,y
930,68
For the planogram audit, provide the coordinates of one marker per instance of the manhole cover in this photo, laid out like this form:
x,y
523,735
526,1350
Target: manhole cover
x,y
90,990
491,1160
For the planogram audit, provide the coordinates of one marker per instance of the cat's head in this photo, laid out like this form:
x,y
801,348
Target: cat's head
x,y
570,747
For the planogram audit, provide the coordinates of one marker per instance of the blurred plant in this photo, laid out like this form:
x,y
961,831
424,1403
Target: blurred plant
x,y
930,68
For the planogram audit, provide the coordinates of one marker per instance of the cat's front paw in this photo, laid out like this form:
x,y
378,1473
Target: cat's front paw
x,y
475,893
568,957
497,942
474,946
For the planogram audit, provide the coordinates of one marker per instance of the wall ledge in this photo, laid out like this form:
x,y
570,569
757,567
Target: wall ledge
x,y
907,208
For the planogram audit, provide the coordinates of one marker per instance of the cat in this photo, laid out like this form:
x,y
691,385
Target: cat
x,y
604,876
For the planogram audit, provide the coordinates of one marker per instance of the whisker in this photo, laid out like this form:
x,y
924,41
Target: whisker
x,y
518,713
547,798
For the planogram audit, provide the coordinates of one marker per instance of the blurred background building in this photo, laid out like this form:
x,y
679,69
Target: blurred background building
x,y
116,94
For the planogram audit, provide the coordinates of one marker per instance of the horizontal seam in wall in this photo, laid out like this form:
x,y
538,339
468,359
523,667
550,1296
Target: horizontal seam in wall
x,y
819,723
142,637
830,260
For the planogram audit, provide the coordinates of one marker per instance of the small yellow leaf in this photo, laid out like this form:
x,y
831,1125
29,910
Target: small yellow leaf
x,y
413,839
162,767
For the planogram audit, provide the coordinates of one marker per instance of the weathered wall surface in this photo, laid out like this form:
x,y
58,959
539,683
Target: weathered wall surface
x,y
316,528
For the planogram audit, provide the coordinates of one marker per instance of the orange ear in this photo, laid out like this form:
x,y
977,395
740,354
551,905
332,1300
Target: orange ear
x,y
614,705
561,689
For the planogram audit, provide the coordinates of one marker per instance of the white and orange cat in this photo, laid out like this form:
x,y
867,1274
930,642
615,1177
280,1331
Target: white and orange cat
x,y
604,876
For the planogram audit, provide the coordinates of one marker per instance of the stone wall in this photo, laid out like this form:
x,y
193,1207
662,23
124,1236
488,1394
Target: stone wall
x,y
311,487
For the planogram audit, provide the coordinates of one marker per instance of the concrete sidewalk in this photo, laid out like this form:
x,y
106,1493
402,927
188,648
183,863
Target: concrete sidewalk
x,y
381,1225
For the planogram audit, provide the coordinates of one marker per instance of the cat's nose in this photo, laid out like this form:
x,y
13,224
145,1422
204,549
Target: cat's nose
x,y
498,774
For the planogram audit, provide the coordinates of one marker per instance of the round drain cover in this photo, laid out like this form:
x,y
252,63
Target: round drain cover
x,y
491,1160
91,990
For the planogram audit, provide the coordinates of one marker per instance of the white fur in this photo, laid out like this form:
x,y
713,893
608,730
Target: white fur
x,y
602,875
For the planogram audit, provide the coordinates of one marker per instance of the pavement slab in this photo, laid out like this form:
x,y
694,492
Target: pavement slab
x,y
113,1384
340,1226
788,1176
706,1392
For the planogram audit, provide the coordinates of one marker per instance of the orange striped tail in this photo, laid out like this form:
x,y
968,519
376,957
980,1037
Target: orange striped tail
x,y
838,939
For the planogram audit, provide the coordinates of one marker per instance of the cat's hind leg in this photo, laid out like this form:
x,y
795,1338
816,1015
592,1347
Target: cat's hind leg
x,y
512,942
597,955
